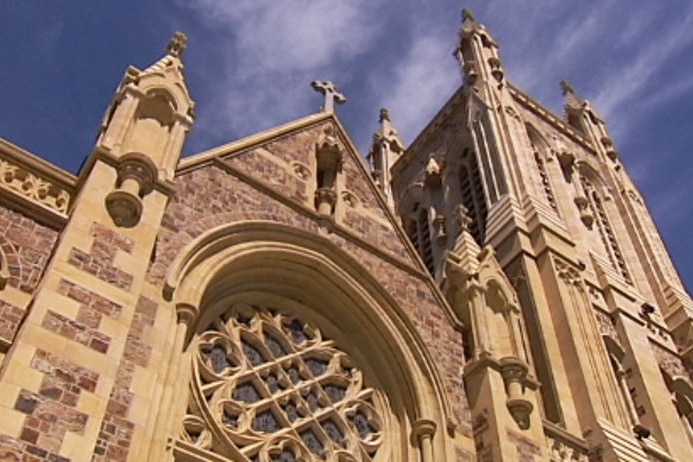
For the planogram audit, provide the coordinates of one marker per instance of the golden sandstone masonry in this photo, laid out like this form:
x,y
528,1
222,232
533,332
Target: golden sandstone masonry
x,y
496,291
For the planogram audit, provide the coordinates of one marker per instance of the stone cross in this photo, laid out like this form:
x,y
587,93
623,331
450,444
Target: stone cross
x,y
331,93
467,15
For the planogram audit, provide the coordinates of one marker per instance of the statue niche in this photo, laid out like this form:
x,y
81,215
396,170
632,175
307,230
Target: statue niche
x,y
151,126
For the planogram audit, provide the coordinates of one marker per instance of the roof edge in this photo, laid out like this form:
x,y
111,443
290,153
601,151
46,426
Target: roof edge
x,y
249,141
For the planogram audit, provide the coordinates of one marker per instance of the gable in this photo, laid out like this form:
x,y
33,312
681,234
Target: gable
x,y
269,185
282,162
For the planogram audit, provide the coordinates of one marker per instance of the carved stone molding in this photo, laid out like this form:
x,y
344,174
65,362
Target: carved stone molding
x,y
568,273
300,170
514,372
496,68
606,325
561,451
330,157
124,208
439,228
423,428
350,199
586,215
564,446
670,363
136,178
32,186
186,313
513,113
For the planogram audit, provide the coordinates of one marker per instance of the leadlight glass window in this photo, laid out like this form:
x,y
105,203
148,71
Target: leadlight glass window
x,y
269,387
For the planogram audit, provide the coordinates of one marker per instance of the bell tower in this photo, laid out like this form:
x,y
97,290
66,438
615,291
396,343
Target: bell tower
x,y
538,237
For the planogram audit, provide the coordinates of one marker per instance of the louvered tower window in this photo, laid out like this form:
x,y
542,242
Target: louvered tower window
x,y
420,235
472,192
606,232
425,246
544,178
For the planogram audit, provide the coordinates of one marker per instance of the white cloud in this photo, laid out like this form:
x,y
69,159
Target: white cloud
x,y
424,80
631,80
275,49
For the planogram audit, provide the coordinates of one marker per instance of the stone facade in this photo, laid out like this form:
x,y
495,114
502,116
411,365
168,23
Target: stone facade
x,y
486,293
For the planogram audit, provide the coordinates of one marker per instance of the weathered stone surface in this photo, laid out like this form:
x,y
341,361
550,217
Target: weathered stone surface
x,y
209,197
115,435
99,260
10,319
51,412
27,246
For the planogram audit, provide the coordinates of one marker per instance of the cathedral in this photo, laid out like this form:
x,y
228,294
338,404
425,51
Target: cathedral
x,y
496,291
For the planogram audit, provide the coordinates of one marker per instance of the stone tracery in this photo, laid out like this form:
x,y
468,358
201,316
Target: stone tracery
x,y
268,387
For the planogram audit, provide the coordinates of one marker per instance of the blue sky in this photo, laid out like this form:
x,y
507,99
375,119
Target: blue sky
x,y
249,64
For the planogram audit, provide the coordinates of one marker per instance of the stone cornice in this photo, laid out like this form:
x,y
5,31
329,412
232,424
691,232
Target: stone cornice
x,y
425,135
206,157
36,187
555,121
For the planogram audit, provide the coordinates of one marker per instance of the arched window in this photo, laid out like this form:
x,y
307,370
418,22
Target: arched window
x,y
268,386
606,232
545,182
472,195
291,351
539,151
682,399
623,377
419,232
4,272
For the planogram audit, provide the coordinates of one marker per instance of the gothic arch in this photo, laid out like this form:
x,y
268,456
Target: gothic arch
x,y
596,194
540,154
471,191
9,258
158,104
682,397
272,264
171,88
4,272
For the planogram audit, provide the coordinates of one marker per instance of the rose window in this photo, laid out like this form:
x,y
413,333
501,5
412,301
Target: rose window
x,y
268,387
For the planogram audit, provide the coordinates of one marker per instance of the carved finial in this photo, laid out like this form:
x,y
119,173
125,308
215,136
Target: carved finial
x,y
177,45
467,15
567,87
384,115
464,221
331,93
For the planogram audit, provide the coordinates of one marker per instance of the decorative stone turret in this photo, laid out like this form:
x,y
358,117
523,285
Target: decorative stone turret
x,y
487,305
581,115
477,53
143,132
386,148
